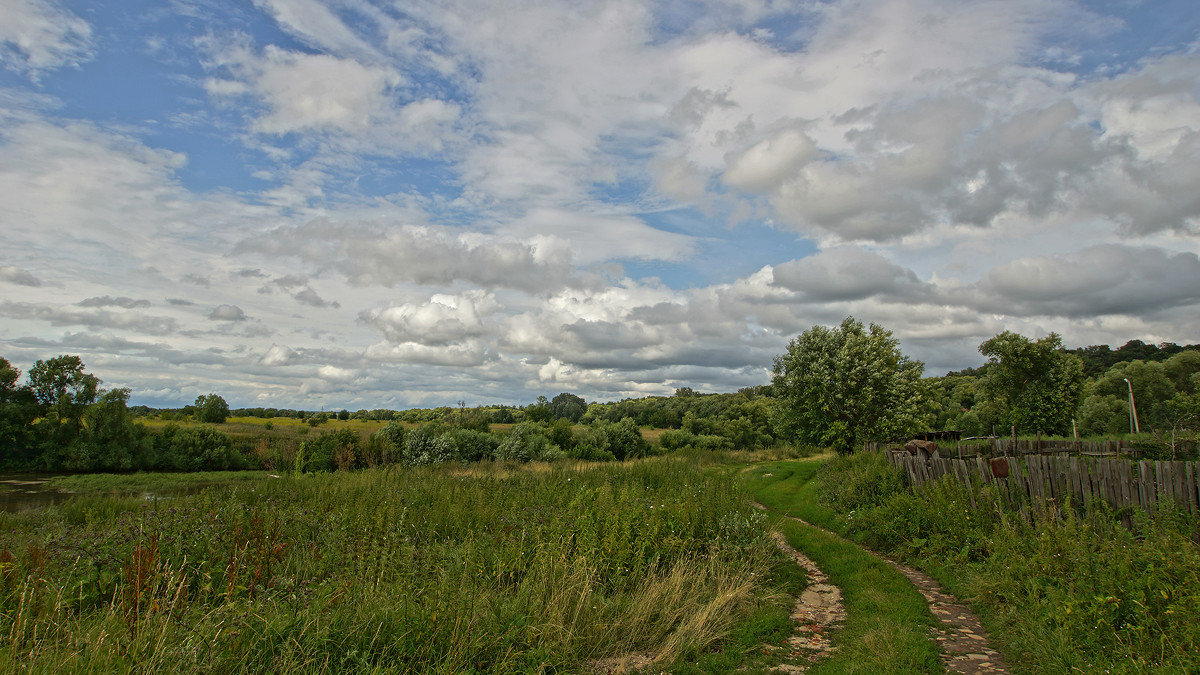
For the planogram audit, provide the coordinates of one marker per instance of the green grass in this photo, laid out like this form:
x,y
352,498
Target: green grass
x,y
1059,589
102,483
887,619
492,569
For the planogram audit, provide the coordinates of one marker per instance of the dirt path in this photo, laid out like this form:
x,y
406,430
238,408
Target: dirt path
x,y
818,612
963,641
964,644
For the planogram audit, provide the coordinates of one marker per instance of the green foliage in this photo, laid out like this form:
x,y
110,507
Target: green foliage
x,y
1069,589
624,439
850,482
568,407
525,443
539,412
1104,416
399,571
590,444
195,448
211,409
840,387
1041,384
427,445
471,445
331,450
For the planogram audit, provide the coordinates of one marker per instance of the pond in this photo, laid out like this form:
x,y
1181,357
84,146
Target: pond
x,y
21,491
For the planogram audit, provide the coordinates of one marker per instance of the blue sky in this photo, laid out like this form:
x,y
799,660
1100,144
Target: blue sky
x,y
360,204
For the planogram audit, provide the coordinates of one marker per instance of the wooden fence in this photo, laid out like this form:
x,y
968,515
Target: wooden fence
x,y
1021,480
1045,446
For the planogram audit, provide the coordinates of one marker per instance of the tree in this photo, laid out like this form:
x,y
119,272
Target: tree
x,y
568,407
18,410
211,409
839,387
540,411
60,383
1040,382
63,392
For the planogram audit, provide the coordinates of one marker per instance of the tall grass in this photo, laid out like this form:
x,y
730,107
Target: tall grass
x,y
390,571
1064,589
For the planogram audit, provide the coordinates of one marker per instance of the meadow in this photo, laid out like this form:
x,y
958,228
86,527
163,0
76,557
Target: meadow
x,y
488,568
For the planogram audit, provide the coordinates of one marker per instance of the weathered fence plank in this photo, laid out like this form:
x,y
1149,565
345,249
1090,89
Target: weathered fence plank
x,y
1120,482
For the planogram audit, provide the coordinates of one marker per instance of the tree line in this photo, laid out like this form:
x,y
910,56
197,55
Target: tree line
x,y
833,387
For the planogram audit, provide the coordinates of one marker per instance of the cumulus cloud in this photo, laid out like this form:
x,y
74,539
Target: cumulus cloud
x,y
1098,280
845,273
16,275
443,320
304,91
310,297
37,35
227,313
911,123
278,355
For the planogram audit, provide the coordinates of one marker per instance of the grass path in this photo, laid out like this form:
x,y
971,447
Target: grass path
x,y
892,610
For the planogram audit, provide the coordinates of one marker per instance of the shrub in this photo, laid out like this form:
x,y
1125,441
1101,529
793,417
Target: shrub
x,y
471,445
424,445
524,443
323,452
853,481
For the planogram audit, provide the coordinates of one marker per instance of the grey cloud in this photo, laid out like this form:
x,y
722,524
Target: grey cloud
x,y
375,255
310,297
846,273
19,276
227,313
1099,280
109,301
197,280
180,302
91,317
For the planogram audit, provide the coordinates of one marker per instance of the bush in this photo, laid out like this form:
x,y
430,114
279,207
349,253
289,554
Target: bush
x,y
624,439
425,445
198,448
471,445
331,450
857,480
526,443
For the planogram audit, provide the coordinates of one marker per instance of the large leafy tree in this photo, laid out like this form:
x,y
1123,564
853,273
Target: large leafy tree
x,y
839,387
18,410
1040,382
568,406
211,408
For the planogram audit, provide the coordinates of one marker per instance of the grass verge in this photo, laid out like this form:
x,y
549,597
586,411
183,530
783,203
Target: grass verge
x,y
887,620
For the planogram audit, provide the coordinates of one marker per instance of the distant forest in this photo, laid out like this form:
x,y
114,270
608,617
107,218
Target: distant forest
x,y
61,419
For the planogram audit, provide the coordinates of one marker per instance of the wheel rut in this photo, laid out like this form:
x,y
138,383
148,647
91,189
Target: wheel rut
x,y
960,634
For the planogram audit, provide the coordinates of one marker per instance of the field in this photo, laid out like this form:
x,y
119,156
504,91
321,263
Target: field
x,y
484,569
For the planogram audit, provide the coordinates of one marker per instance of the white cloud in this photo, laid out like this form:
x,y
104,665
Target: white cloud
x,y
38,35
443,320
16,275
306,91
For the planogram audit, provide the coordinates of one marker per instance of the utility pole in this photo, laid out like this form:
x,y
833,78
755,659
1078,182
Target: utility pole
x,y
1133,420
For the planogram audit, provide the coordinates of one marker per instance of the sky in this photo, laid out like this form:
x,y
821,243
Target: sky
x,y
327,204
